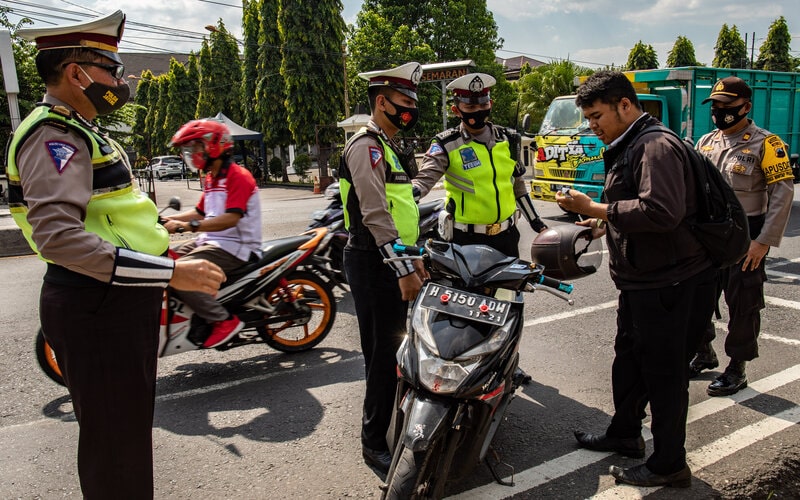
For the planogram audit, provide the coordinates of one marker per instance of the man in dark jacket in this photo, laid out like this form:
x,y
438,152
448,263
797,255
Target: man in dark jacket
x,y
666,280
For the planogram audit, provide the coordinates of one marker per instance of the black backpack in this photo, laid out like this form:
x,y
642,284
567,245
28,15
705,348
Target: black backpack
x,y
720,223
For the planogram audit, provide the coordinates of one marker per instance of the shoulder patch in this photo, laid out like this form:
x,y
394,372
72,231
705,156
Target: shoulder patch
x,y
375,156
775,163
61,153
435,149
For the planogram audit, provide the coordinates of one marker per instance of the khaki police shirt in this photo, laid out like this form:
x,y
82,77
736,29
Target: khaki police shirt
x,y
434,166
369,182
755,163
57,202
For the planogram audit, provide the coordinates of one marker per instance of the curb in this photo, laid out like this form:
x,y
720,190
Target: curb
x,y
12,243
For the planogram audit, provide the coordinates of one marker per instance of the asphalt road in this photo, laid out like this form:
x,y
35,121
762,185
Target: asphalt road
x,y
256,423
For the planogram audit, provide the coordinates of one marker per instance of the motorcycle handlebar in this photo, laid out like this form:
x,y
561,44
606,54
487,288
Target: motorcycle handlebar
x,y
554,283
408,250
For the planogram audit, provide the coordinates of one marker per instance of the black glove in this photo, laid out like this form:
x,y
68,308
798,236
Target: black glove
x,y
538,225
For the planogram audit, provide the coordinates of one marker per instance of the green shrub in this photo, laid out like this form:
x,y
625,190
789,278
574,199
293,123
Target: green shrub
x,y
275,167
302,163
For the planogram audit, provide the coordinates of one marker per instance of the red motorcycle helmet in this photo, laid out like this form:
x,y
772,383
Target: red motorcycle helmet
x,y
567,251
202,140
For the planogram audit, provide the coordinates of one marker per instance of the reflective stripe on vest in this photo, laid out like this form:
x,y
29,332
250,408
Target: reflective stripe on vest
x,y
399,196
117,211
471,165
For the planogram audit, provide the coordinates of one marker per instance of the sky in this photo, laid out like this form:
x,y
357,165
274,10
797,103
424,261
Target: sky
x,y
591,33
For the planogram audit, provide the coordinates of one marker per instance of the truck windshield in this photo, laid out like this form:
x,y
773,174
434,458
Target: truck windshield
x,y
563,118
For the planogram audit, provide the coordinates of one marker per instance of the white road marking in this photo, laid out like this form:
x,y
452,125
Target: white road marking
x,y
569,314
775,301
715,451
566,464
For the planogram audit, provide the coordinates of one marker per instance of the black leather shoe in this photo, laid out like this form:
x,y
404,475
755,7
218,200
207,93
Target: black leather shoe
x,y
629,447
379,459
730,382
640,475
703,361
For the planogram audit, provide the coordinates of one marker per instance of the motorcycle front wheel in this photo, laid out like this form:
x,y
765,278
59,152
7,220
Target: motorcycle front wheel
x,y
47,359
412,476
314,298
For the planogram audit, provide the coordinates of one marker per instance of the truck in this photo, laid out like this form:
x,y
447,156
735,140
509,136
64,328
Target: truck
x,y
565,152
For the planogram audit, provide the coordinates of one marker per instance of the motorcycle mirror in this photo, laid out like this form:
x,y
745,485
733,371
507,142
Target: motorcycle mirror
x,y
335,173
174,203
526,122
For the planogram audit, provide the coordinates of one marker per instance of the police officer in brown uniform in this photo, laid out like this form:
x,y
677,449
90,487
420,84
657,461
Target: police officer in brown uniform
x,y
755,162
72,194
380,211
482,174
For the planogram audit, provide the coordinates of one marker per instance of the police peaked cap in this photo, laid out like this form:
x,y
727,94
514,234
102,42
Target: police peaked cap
x,y
729,89
472,88
403,78
101,35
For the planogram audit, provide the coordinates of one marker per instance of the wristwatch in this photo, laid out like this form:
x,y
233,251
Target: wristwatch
x,y
194,224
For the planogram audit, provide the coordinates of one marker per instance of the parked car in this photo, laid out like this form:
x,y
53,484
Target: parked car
x,y
165,167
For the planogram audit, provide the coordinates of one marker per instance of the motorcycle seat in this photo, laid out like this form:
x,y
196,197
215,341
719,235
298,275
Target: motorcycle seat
x,y
429,207
270,251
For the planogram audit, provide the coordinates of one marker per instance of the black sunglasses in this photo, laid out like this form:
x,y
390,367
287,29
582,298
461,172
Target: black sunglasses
x,y
116,70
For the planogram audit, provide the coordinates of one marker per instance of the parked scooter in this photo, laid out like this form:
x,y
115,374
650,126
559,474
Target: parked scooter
x,y
281,302
456,365
332,217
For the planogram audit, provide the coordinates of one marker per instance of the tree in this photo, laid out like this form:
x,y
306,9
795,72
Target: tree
x,y
642,56
219,66
311,39
774,52
270,94
544,83
730,50
31,87
181,98
250,27
143,142
682,54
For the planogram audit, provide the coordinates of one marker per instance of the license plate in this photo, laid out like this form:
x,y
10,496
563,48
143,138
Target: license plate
x,y
558,187
465,304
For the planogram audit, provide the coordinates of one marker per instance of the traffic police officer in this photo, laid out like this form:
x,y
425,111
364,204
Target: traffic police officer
x,y
482,174
755,162
72,194
380,211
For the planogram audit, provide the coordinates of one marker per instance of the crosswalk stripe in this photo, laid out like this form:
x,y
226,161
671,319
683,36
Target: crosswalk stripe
x,y
566,464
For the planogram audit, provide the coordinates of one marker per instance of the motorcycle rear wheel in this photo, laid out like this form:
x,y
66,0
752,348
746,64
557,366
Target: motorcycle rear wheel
x,y
47,359
313,292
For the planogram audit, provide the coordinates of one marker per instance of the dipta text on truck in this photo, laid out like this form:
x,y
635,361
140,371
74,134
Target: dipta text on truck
x,y
566,153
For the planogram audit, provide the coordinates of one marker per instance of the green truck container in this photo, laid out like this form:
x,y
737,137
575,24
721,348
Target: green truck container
x,y
566,153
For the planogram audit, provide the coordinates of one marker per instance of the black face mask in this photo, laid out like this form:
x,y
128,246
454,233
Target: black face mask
x,y
404,118
725,118
105,98
476,119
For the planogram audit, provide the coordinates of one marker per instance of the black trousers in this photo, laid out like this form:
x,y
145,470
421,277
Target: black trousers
x,y
506,242
658,331
106,343
381,313
744,296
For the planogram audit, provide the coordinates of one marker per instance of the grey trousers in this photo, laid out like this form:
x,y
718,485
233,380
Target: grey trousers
x,y
203,304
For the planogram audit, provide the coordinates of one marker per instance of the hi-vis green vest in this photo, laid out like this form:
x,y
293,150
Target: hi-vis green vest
x,y
117,212
399,198
478,180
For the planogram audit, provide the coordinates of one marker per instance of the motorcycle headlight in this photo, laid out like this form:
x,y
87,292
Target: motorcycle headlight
x,y
491,344
421,324
439,375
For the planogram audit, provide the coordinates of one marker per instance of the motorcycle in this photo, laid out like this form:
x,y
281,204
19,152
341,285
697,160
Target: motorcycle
x,y
282,303
332,217
456,367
